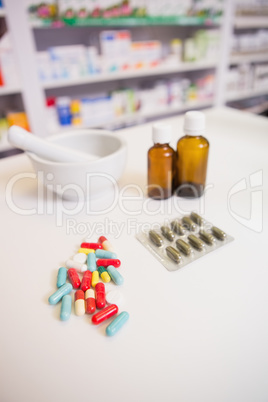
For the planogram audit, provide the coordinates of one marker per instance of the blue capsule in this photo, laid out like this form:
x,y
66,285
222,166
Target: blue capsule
x,y
117,323
66,307
58,295
115,275
91,262
62,276
105,254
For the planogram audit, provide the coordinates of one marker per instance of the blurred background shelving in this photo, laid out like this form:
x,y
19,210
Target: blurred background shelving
x,y
247,76
11,100
106,64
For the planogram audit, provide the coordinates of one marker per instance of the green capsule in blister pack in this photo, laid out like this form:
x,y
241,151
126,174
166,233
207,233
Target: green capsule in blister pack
x,y
196,242
184,247
168,233
197,219
173,254
207,237
220,234
178,228
155,238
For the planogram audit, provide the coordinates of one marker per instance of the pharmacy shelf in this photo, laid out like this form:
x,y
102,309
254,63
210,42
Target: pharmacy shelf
x,y
258,109
5,145
145,72
128,21
141,117
5,148
250,93
249,57
8,151
251,22
187,106
5,90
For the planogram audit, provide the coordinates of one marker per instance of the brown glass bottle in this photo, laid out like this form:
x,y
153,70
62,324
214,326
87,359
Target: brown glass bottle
x,y
161,164
192,157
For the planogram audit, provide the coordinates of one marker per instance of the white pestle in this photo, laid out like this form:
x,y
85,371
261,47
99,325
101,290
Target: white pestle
x,y
22,139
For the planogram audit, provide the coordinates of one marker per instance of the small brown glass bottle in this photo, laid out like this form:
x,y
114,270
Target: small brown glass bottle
x,y
192,157
161,163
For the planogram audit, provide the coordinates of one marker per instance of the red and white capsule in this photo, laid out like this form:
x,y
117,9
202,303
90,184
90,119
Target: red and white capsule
x,y
104,314
90,301
105,244
105,262
86,281
79,302
74,278
100,295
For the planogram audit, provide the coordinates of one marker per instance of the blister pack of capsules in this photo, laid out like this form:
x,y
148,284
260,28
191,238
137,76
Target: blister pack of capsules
x,y
183,240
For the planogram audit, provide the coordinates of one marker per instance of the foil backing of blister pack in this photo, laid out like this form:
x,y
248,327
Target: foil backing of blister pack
x,y
160,252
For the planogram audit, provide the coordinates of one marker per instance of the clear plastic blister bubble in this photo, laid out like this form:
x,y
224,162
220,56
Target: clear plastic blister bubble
x,y
182,240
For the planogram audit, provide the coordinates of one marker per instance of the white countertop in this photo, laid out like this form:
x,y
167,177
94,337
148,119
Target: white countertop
x,y
197,334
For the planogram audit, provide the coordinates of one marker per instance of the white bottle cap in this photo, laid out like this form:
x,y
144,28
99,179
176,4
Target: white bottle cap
x,y
162,133
194,123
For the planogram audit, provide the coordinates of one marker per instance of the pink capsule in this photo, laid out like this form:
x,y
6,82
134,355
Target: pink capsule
x,y
86,281
104,314
100,295
93,246
74,278
105,262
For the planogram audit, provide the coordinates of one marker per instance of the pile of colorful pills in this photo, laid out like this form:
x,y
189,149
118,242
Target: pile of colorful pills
x,y
94,265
